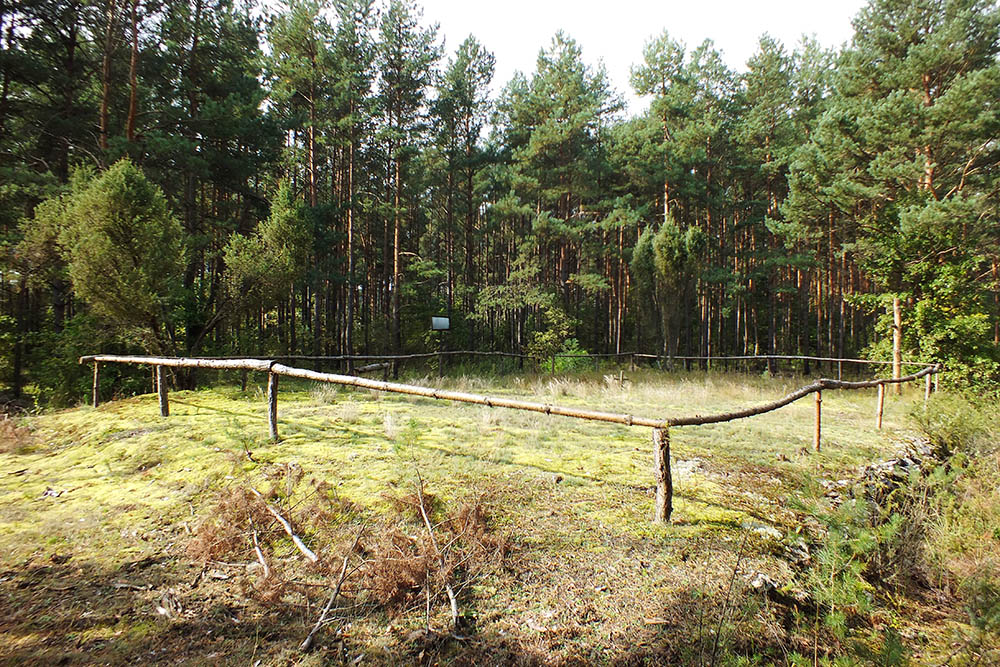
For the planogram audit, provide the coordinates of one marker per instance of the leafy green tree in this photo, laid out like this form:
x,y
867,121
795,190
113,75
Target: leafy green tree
x,y
301,66
209,143
353,104
461,110
666,264
662,75
264,267
907,147
558,123
124,253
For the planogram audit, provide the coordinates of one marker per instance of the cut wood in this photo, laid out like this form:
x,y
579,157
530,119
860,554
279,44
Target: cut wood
x,y
183,362
95,393
430,531
260,554
879,406
272,405
308,641
306,551
819,420
372,367
161,391
897,342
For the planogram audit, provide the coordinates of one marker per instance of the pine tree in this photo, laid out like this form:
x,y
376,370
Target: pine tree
x,y
407,54
908,146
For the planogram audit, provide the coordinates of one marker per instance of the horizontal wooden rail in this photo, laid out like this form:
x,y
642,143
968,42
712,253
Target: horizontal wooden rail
x,y
182,362
587,355
462,397
368,357
817,386
784,357
276,368
660,426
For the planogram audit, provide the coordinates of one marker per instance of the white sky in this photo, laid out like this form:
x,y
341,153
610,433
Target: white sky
x,y
614,31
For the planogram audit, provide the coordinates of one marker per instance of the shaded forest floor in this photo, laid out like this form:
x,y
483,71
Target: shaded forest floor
x,y
127,537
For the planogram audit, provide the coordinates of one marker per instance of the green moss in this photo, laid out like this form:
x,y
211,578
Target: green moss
x,y
112,485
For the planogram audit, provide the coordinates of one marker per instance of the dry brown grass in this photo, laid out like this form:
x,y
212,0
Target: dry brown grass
x,y
227,531
399,567
407,564
14,437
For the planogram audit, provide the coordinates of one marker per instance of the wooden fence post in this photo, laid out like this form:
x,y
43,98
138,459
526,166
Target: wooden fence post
x,y
161,389
631,363
927,387
879,405
664,482
819,420
272,405
96,392
897,344
935,383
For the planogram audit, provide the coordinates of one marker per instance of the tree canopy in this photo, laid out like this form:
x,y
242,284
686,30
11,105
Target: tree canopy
x,y
322,177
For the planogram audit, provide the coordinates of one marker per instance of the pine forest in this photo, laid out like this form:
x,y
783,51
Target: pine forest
x,y
323,179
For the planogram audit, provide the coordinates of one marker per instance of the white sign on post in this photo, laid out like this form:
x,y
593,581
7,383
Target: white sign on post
x,y
439,323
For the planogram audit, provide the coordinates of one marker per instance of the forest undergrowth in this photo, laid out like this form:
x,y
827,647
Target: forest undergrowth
x,y
458,535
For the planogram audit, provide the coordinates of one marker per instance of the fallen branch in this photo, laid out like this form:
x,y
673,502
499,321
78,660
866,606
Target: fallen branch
x,y
371,367
306,551
308,641
260,554
430,531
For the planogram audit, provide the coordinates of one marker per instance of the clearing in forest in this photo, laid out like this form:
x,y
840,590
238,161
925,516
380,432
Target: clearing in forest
x,y
125,536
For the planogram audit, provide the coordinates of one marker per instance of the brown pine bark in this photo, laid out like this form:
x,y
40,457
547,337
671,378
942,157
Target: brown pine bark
x,y
110,23
133,73
897,342
349,338
397,274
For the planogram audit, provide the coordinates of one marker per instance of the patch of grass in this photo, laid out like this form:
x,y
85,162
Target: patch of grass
x,y
15,437
587,569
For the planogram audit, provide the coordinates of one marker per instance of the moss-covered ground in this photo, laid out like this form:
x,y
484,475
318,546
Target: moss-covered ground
x,y
97,507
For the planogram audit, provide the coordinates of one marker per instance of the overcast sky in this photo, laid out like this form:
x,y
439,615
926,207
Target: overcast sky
x,y
614,31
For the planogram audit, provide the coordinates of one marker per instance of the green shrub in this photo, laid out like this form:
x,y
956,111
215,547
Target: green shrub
x,y
956,424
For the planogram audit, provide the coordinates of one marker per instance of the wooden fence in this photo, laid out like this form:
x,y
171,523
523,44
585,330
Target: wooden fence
x,y
632,358
660,425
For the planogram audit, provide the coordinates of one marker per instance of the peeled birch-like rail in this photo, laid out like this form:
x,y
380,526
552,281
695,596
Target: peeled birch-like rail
x,y
780,357
505,402
182,362
818,385
661,425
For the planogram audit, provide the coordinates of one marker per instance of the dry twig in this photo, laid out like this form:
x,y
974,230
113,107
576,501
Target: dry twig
x,y
430,531
256,550
307,642
306,551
